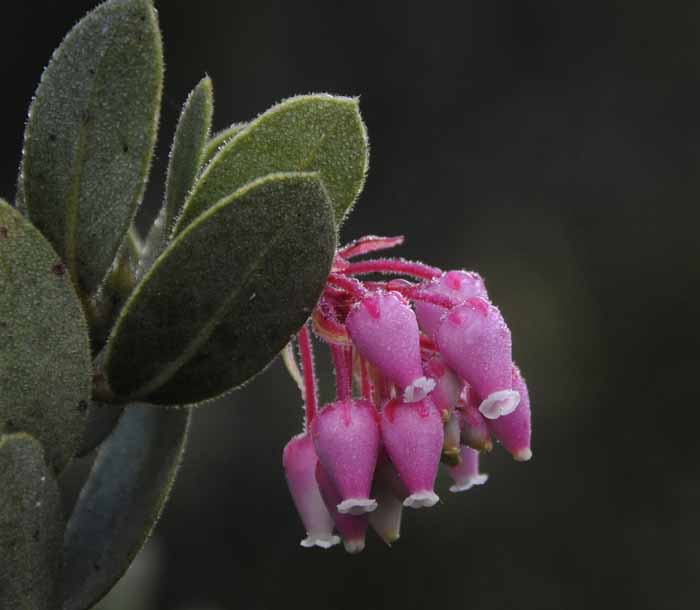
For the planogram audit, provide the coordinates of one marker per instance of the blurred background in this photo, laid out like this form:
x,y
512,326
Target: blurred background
x,y
553,147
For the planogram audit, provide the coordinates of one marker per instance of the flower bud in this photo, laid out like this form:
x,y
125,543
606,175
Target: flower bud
x,y
513,431
475,342
413,437
352,528
346,438
459,285
299,460
384,330
466,475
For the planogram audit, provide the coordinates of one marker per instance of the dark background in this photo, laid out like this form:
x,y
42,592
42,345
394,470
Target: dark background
x,y
552,146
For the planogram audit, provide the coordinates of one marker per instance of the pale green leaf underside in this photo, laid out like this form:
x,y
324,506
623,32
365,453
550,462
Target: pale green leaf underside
x,y
90,135
121,501
31,527
307,133
45,366
226,295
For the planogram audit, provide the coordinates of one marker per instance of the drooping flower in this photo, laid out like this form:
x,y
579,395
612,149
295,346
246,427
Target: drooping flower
x,y
299,459
424,374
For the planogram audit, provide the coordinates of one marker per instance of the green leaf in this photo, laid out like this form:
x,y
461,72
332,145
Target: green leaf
x,y
186,159
187,152
306,133
226,295
218,140
121,501
45,367
90,135
31,527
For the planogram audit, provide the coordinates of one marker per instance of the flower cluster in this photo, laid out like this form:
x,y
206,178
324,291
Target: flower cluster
x,y
424,374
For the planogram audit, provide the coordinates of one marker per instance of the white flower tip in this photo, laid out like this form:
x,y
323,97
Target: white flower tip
x,y
324,542
523,455
477,479
421,499
499,403
419,389
354,546
356,506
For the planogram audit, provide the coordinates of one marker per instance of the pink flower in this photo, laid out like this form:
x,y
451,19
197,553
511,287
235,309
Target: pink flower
x,y
299,460
513,430
423,374
475,342
457,285
413,437
346,438
466,475
384,330
352,528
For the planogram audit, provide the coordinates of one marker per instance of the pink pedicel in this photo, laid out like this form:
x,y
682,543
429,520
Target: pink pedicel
x,y
299,460
346,438
473,426
352,528
513,431
390,493
466,475
384,330
475,342
457,285
423,376
413,436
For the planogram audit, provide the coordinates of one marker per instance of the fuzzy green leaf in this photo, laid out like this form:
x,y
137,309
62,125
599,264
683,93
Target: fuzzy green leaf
x,y
90,135
45,366
186,159
31,527
306,133
220,138
226,295
187,152
121,501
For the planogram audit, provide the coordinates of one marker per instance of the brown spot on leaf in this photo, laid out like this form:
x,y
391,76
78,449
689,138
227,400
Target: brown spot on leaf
x,y
4,233
59,269
82,406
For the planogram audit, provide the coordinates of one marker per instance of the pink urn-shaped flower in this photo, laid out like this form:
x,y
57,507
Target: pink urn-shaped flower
x,y
466,475
514,430
384,330
299,460
475,342
346,437
413,438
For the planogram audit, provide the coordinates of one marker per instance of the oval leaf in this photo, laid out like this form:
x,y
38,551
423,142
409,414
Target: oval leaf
x,y
186,158
307,133
121,501
226,295
90,135
31,527
187,151
45,367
